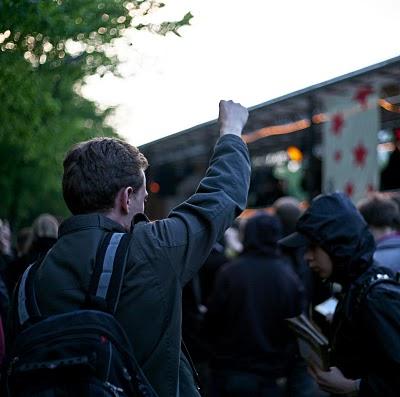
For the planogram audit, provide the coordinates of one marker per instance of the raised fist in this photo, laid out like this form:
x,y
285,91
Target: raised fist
x,y
232,117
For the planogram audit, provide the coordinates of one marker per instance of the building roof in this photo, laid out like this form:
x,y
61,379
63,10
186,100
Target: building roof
x,y
284,121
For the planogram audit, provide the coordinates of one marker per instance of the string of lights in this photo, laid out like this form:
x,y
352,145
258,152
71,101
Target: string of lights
x,y
305,123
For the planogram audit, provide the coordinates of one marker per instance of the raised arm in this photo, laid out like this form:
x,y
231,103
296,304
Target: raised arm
x,y
186,237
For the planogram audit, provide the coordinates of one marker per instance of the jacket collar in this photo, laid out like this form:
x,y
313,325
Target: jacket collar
x,y
89,221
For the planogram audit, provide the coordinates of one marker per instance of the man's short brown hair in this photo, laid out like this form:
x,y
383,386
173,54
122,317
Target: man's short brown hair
x,y
95,170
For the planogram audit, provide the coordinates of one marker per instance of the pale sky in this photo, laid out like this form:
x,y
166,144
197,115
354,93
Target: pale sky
x,y
249,51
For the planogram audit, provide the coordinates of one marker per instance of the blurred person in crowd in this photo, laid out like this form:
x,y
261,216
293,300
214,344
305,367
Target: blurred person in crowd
x,y
288,210
104,186
195,297
383,218
365,335
6,256
43,237
395,196
24,241
233,243
245,321
6,252
390,176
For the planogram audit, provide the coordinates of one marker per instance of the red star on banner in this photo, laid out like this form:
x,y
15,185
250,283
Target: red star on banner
x,y
337,123
360,153
362,95
337,156
349,189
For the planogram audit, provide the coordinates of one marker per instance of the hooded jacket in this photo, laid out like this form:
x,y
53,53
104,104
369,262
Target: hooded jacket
x,y
366,329
252,297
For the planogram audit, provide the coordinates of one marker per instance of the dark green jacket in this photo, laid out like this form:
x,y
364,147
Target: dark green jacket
x,y
162,257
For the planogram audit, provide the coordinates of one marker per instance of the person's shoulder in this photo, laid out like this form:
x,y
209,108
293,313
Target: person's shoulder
x,y
382,291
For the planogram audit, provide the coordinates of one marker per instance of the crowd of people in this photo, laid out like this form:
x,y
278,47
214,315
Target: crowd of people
x,y
224,285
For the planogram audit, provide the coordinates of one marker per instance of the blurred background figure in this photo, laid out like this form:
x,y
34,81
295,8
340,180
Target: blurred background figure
x,y
195,298
390,176
233,243
253,294
6,256
24,241
33,247
382,215
288,210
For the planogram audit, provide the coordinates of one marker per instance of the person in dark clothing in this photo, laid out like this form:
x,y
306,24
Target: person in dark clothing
x,y
365,337
104,186
316,290
44,236
390,177
245,320
382,216
195,297
6,256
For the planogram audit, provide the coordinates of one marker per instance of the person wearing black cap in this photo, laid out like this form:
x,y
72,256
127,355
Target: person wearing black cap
x,y
365,335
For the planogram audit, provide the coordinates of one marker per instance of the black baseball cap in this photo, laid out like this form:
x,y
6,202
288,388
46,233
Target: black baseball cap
x,y
294,240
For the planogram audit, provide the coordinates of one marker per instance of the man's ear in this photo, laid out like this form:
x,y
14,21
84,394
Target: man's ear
x,y
126,197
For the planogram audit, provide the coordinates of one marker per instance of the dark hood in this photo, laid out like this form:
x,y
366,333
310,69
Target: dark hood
x,y
333,222
261,234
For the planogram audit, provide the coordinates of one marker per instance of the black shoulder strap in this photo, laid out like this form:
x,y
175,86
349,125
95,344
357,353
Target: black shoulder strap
x,y
106,282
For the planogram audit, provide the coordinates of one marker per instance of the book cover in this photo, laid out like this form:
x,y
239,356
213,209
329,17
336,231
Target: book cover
x,y
313,345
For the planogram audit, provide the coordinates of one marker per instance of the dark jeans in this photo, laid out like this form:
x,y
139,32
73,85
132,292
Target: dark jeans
x,y
239,384
299,382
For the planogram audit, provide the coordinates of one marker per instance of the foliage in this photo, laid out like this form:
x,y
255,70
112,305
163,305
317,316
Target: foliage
x,y
47,48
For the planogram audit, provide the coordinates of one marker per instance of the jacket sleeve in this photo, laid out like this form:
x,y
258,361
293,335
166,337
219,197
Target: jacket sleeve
x,y
381,324
185,238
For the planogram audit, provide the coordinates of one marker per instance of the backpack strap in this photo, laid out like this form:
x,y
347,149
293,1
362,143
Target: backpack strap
x,y
108,273
26,297
105,285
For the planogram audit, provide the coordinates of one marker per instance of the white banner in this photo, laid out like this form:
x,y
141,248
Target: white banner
x,y
350,143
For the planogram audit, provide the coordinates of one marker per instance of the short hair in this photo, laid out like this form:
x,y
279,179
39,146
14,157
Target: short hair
x,y
287,209
45,226
95,170
379,211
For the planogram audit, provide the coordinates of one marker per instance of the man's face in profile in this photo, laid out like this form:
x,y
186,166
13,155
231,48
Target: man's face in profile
x,y
139,197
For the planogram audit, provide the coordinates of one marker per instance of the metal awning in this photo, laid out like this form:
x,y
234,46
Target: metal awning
x,y
276,124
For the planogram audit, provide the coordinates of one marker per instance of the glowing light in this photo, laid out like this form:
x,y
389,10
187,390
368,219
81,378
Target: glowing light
x,y
154,187
277,130
294,153
389,106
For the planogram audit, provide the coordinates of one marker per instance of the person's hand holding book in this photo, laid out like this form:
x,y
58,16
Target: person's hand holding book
x,y
333,381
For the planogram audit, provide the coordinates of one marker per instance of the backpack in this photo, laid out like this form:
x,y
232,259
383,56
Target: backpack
x,y
381,276
81,353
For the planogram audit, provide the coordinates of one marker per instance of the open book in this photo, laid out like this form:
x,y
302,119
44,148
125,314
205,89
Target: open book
x,y
313,345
